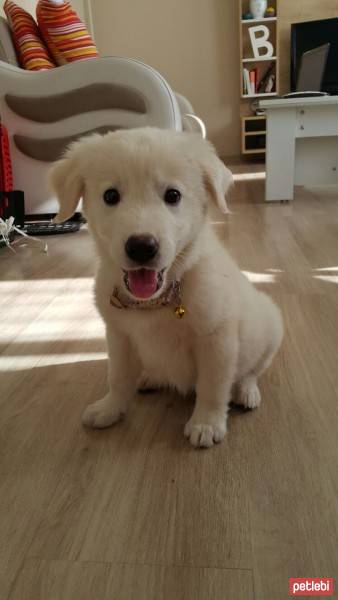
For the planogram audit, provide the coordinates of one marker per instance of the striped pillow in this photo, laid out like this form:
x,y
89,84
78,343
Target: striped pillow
x,y
31,50
64,33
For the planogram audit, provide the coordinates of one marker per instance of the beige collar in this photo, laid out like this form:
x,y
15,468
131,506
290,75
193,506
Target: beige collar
x,y
171,295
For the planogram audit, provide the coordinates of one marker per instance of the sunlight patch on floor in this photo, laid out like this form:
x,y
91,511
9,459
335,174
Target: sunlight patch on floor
x,y
327,270
52,332
249,176
49,310
328,278
36,285
329,274
18,363
259,277
65,324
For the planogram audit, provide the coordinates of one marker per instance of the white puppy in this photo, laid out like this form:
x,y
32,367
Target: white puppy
x,y
145,195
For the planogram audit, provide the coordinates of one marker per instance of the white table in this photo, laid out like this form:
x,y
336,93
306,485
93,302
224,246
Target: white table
x,y
301,144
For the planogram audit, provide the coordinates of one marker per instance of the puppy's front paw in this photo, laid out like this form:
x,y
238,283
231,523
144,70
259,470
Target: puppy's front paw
x,y
102,414
205,435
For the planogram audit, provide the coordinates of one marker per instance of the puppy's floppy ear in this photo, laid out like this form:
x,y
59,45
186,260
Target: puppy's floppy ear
x,y
216,176
66,181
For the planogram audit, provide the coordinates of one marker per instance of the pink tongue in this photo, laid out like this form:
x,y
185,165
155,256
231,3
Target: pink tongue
x,y
142,282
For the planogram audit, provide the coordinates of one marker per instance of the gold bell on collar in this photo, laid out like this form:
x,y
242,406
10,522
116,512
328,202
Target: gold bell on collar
x,y
179,312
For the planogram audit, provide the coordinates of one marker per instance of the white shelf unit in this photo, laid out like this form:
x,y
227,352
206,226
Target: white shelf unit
x,y
266,19
254,135
266,95
262,59
245,48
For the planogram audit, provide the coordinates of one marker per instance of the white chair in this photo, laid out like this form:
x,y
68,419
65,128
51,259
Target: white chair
x,y
44,111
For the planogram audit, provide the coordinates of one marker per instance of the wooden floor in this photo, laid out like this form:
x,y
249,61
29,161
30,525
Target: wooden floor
x,y
133,512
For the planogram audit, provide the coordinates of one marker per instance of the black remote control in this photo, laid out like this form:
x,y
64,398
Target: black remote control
x,y
48,228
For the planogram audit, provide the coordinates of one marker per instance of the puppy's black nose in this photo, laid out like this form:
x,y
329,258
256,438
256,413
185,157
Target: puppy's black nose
x,y
141,248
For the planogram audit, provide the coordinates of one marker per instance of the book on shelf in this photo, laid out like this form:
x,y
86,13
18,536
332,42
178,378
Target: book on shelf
x,y
247,83
265,85
250,81
253,80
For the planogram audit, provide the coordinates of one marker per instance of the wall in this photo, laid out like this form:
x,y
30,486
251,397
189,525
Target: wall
x,y
295,11
82,7
193,43
26,4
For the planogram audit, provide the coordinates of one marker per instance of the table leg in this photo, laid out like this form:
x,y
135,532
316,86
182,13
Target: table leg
x,y
280,154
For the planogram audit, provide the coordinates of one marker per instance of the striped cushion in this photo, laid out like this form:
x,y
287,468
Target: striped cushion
x,y
31,50
64,33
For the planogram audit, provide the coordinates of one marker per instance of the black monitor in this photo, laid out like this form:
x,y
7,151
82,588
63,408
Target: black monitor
x,y
309,35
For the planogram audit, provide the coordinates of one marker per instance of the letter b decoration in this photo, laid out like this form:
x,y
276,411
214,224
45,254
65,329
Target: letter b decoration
x,y
259,37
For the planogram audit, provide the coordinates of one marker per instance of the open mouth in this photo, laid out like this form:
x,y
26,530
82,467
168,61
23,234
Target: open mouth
x,y
143,283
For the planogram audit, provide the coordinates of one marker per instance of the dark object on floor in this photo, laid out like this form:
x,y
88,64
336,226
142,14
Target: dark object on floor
x,y
12,204
50,216
48,228
239,408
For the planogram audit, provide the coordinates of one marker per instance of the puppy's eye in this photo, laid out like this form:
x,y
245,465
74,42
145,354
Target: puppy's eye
x,y
172,196
111,196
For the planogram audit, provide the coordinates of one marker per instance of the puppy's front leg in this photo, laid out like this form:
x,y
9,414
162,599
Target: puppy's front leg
x,y
216,359
122,377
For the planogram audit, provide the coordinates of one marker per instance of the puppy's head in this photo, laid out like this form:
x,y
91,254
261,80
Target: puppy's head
x,y
145,195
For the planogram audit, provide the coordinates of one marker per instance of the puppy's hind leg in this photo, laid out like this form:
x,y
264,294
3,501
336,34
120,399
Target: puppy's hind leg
x,y
248,394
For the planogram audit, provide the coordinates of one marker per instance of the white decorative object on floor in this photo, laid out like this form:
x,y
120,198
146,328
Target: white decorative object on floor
x,y
258,8
301,144
7,227
260,41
